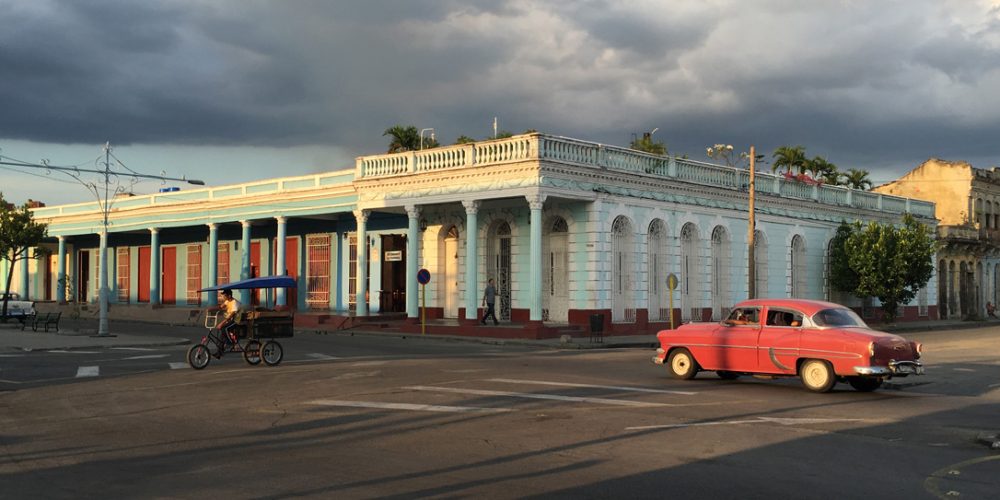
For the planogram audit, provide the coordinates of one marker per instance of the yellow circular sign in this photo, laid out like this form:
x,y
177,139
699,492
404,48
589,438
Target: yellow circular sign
x,y
672,281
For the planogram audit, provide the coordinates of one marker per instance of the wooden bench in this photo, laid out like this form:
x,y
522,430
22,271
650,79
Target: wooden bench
x,y
43,319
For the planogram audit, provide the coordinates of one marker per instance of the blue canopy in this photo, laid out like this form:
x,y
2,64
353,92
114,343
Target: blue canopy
x,y
262,282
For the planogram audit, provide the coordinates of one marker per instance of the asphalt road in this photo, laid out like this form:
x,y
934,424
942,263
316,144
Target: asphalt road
x,y
413,418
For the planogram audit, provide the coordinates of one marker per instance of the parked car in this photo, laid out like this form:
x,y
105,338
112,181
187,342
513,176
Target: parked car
x,y
820,342
17,307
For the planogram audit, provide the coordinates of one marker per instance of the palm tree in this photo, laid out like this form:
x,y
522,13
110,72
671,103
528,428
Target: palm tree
x,y
403,138
464,139
790,158
646,144
822,169
857,179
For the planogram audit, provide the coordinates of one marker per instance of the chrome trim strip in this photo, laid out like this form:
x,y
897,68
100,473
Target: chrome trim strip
x,y
775,361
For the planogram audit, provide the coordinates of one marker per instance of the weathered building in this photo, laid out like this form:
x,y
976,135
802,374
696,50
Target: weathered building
x,y
568,229
967,201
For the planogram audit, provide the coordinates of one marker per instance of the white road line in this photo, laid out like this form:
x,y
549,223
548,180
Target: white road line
x,y
963,369
528,395
614,387
320,356
408,406
148,356
758,420
88,371
370,363
133,349
11,355
178,366
63,351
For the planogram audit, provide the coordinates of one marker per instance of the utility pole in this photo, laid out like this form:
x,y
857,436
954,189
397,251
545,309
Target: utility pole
x,y
751,261
104,204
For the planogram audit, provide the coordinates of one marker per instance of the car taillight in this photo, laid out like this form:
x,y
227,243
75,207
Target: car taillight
x,y
918,348
871,349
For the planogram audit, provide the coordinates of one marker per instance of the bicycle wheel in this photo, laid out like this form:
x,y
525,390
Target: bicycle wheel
x,y
198,356
251,352
271,353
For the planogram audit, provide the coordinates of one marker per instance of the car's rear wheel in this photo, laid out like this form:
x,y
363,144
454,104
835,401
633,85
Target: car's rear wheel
x,y
724,375
817,375
682,364
864,384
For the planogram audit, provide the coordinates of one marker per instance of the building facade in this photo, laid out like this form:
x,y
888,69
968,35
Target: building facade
x,y
967,204
567,229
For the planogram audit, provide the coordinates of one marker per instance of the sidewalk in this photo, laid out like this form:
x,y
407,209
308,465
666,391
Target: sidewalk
x,y
82,335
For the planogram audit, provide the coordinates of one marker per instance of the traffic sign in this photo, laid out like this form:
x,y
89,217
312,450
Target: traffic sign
x,y
672,281
423,276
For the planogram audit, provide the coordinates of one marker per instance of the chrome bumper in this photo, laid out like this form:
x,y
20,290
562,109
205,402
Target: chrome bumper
x,y
901,368
658,359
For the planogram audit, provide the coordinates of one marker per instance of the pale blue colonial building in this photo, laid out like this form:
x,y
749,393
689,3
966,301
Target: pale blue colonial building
x,y
566,228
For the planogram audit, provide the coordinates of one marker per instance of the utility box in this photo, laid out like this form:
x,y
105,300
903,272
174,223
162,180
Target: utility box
x,y
596,328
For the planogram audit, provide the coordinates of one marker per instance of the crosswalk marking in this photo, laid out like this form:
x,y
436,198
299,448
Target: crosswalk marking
x,y
614,387
322,357
527,395
178,366
408,406
88,371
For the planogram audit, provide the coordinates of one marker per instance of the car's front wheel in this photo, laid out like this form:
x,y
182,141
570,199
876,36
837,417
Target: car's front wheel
x,y
682,364
817,375
864,384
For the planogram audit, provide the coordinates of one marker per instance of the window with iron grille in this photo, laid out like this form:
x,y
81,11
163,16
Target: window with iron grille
x,y
122,277
318,271
352,273
193,274
222,266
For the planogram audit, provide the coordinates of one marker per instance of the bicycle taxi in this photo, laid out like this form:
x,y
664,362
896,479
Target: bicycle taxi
x,y
255,329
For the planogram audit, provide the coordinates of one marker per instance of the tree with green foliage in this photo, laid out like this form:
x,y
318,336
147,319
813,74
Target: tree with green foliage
x,y
464,139
647,145
820,168
403,138
857,179
18,234
790,158
884,261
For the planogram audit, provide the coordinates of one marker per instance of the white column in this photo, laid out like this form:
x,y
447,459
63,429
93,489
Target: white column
x,y
245,260
471,259
213,261
362,288
412,260
154,266
280,266
535,203
22,288
61,272
102,285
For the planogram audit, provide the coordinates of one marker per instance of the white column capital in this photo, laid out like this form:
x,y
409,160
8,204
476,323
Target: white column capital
x,y
471,206
413,211
61,238
245,223
535,201
362,215
212,226
154,230
281,219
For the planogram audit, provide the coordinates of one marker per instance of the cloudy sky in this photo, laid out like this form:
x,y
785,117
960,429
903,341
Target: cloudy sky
x,y
236,90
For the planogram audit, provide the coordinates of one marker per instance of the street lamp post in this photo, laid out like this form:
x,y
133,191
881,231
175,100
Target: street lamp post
x,y
105,205
422,136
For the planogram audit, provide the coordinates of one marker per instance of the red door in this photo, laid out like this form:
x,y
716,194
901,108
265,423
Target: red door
x,y
255,270
143,280
291,268
168,285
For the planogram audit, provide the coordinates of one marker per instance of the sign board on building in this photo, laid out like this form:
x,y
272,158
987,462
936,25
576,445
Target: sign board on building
x,y
393,255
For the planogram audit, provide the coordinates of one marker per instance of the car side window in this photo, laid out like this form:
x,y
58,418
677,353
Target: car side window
x,y
744,316
778,317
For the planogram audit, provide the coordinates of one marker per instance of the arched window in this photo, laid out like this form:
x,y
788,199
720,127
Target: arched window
x,y
623,271
656,247
760,264
721,272
799,279
691,295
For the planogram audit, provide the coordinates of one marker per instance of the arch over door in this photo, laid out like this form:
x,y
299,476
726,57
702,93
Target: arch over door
x,y
721,272
555,275
498,266
623,271
656,247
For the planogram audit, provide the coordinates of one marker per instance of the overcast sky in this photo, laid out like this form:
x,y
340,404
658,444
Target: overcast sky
x,y
237,90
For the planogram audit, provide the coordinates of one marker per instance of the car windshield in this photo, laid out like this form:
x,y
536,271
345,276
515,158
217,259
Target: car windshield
x,y
842,317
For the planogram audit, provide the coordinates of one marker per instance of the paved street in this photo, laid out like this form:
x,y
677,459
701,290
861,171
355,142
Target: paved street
x,y
368,416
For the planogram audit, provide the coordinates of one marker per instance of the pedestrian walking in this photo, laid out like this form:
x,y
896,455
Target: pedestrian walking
x,y
489,301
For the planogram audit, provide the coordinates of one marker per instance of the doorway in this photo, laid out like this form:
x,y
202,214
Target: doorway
x,y
449,267
83,281
498,267
393,296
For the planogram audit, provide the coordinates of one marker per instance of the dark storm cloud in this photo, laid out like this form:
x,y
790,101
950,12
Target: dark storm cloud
x,y
863,83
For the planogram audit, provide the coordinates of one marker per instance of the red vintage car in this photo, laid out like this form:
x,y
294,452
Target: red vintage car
x,y
819,342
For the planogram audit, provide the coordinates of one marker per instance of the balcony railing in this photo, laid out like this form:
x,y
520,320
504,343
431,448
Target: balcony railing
x,y
556,149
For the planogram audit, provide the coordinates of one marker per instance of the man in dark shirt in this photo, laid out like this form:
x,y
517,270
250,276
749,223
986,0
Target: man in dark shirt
x,y
489,301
